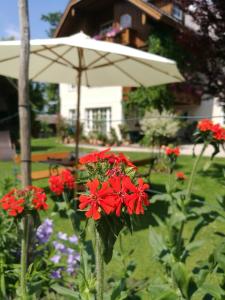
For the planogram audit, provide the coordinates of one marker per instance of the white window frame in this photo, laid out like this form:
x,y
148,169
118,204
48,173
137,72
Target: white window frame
x,y
90,119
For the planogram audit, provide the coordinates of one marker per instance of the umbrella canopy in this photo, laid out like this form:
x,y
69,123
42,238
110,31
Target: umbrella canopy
x,y
103,64
80,60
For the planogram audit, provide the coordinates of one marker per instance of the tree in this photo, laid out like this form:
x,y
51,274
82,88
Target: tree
x,y
207,45
53,20
162,41
52,90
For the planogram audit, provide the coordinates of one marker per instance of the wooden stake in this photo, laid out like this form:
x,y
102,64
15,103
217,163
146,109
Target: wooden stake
x,y
24,106
77,134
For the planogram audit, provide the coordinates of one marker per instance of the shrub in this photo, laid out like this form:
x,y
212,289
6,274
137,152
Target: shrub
x,y
159,128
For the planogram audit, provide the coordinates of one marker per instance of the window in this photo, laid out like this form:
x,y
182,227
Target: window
x,y
125,21
72,116
177,12
106,27
98,119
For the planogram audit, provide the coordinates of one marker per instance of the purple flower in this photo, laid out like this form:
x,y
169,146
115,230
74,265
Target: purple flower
x,y
70,270
56,274
62,236
60,247
44,231
70,251
55,259
73,239
71,259
77,256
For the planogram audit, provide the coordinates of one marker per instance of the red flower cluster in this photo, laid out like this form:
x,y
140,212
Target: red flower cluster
x,y
172,151
213,131
61,182
18,201
116,194
180,176
110,188
105,155
205,125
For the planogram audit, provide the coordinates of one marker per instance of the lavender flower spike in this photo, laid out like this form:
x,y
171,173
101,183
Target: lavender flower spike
x,y
73,239
59,247
62,236
55,259
56,274
44,231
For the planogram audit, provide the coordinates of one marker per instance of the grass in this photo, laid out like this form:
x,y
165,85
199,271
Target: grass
x,y
208,185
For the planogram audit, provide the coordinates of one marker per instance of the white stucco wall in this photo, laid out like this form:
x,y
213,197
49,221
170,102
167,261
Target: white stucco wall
x,y
207,109
100,97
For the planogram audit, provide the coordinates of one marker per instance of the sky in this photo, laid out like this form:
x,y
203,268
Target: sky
x,y
9,20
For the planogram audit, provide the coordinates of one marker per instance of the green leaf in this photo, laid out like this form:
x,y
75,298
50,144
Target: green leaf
x,y
176,219
161,197
168,295
183,280
158,290
207,165
214,290
194,245
109,228
61,205
65,292
156,241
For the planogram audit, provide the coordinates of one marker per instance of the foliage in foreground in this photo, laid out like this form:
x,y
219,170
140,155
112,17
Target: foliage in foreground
x,y
50,265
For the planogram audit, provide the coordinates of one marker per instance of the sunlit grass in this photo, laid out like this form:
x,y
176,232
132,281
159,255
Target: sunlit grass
x,y
208,185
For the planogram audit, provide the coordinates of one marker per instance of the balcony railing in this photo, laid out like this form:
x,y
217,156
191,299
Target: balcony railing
x,y
124,36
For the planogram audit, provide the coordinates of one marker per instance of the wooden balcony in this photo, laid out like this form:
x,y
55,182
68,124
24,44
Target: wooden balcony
x,y
126,37
185,94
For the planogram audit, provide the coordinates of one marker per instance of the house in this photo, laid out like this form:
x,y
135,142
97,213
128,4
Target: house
x,y
128,22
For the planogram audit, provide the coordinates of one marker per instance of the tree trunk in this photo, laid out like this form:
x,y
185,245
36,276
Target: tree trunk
x,y
24,107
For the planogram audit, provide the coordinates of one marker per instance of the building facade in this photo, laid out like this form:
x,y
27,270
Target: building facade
x,y
129,23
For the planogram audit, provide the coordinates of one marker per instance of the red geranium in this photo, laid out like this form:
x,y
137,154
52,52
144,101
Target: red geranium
x,y
121,188
218,132
172,151
96,200
180,176
18,201
58,183
114,188
105,155
94,157
138,198
205,125
213,133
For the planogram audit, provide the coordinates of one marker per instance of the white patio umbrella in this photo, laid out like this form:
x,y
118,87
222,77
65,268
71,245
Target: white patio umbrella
x,y
81,60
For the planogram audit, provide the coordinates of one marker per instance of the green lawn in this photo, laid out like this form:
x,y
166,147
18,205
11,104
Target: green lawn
x,y
207,185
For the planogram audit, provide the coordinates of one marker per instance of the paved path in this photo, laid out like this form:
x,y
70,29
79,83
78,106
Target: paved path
x,y
185,149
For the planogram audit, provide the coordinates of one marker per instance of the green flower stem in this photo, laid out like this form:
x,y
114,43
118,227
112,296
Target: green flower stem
x,y
70,214
99,265
188,194
193,172
2,275
23,262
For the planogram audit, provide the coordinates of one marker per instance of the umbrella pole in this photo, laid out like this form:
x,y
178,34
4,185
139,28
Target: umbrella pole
x,y
77,136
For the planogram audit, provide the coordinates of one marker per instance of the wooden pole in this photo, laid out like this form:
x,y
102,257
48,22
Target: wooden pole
x,y
77,133
24,107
